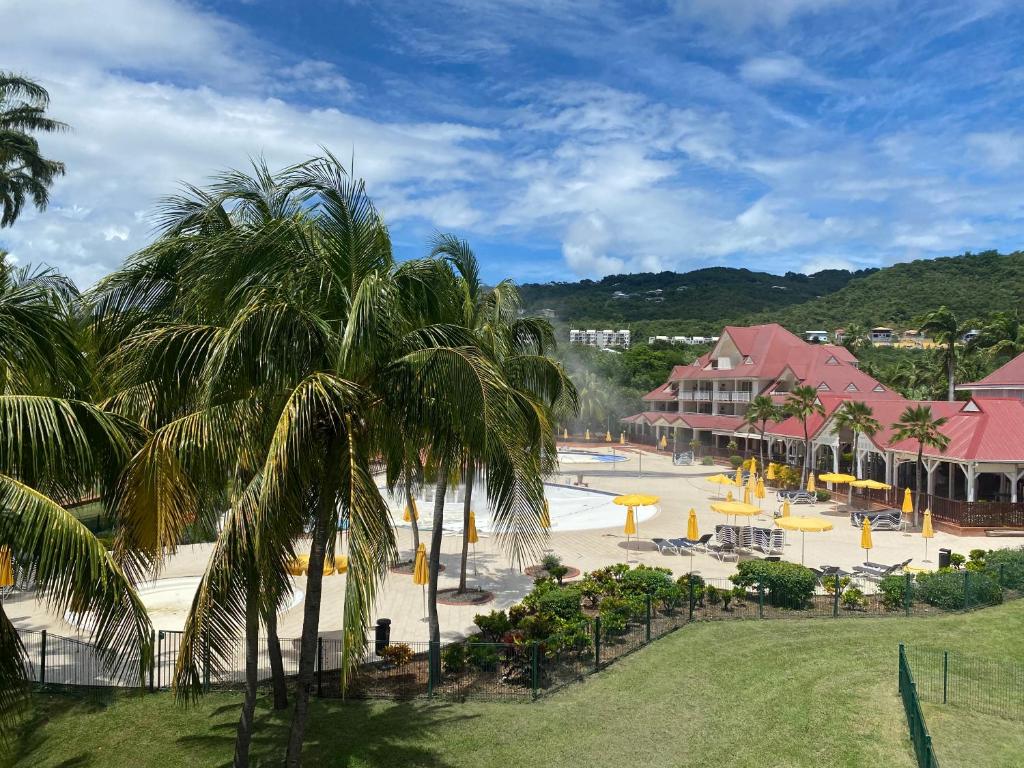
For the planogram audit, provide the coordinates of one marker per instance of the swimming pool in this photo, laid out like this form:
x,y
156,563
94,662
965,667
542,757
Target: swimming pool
x,y
589,457
572,509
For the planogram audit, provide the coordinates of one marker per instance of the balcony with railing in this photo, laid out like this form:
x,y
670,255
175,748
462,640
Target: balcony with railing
x,y
698,395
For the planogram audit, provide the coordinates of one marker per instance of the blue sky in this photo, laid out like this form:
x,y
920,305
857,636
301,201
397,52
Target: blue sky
x,y
564,139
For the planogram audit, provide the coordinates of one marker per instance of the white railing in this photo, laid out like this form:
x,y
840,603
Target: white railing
x,y
693,394
730,396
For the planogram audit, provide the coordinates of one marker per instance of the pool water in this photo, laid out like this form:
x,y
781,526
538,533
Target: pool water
x,y
588,457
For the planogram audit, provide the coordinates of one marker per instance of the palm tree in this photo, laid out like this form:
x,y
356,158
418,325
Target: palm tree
x,y
917,423
515,345
1002,336
594,399
761,410
24,172
942,325
854,337
299,356
858,418
801,403
55,448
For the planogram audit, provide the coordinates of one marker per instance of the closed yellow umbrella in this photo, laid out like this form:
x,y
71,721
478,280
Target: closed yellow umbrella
x,y
746,494
471,535
412,513
759,490
927,532
804,525
738,480
770,474
587,436
565,434
608,436
630,528
691,526
341,563
753,465
622,438
908,502
865,537
663,443
421,573
7,567
785,508
810,483
728,496
545,516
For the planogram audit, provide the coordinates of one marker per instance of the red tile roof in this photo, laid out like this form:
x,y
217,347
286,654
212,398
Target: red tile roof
x,y
662,392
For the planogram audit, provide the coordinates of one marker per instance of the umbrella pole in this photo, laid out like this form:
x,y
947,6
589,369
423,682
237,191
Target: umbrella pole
x,y
803,545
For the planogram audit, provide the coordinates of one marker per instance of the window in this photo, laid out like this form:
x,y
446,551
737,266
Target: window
x,y
851,387
823,387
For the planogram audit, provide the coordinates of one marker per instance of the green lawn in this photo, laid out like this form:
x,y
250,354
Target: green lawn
x,y
768,694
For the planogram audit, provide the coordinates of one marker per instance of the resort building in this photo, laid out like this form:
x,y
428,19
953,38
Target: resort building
x,y
816,337
881,336
601,339
977,482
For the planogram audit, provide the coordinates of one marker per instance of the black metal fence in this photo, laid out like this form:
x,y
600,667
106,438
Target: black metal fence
x,y
919,735
525,669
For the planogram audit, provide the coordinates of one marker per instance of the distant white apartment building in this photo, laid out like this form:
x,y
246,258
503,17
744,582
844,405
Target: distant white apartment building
x,y
683,340
601,339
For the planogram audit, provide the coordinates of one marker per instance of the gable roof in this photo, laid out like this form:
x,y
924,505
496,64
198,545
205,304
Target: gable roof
x,y
1009,376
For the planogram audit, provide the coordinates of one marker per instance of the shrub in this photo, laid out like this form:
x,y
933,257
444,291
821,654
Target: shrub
x,y
853,599
1007,566
732,446
956,561
893,589
570,637
829,583
537,627
558,573
453,658
398,654
707,461
787,585
493,625
736,461
712,594
590,590
945,589
482,656
683,585
787,477
823,494
550,561
615,614
645,580
563,603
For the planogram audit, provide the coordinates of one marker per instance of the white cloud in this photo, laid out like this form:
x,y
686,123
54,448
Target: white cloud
x,y
780,68
743,14
997,149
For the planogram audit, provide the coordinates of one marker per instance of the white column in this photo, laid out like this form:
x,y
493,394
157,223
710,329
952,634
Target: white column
x,y
972,486
930,465
835,457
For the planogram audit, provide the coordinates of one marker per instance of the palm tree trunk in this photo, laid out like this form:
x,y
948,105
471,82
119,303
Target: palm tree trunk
x,y
951,372
917,481
276,662
326,522
853,469
807,457
243,737
466,504
435,562
764,466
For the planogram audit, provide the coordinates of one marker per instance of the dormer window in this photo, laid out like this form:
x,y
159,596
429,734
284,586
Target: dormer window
x,y
971,407
878,388
851,387
747,360
823,387
832,360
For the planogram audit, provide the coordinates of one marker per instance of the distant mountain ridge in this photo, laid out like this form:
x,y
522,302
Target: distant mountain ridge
x,y
972,285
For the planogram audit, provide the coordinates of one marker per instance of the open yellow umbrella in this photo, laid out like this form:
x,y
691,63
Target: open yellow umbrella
x,y
804,525
297,565
411,513
810,483
341,563
545,516
420,572
836,478
608,436
7,567
735,508
629,501
927,532
875,485
720,480
865,537
908,502
785,508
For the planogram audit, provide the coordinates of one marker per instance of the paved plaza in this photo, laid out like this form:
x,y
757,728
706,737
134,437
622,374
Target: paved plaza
x,y
679,488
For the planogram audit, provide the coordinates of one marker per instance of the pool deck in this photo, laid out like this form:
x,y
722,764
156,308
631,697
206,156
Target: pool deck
x,y
679,488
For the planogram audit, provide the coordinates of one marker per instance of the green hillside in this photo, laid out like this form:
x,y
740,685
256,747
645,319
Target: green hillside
x,y
702,301
672,302
972,285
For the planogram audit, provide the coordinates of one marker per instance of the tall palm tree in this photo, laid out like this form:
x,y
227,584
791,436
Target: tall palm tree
x,y
917,423
516,345
855,337
300,357
1002,336
801,403
761,410
857,417
942,325
55,448
24,172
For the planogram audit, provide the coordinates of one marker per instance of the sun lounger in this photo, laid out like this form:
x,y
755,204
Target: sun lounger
x,y
664,545
877,571
887,520
796,497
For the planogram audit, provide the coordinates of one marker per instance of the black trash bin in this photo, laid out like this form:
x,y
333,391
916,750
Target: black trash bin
x,y
382,635
943,558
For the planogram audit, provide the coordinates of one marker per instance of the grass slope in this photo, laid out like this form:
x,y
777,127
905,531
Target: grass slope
x,y
741,694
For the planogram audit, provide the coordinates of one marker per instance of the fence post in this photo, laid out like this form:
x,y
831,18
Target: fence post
x,y
760,600
42,659
1002,573
152,659
967,599
156,658
319,667
835,597
534,668
432,663
689,582
945,675
206,665
647,619
907,586
597,643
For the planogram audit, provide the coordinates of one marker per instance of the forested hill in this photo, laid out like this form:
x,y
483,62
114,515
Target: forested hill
x,y
972,285
690,302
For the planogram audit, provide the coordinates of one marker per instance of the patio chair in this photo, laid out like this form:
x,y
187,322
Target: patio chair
x,y
665,544
700,545
796,497
746,541
776,542
726,546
